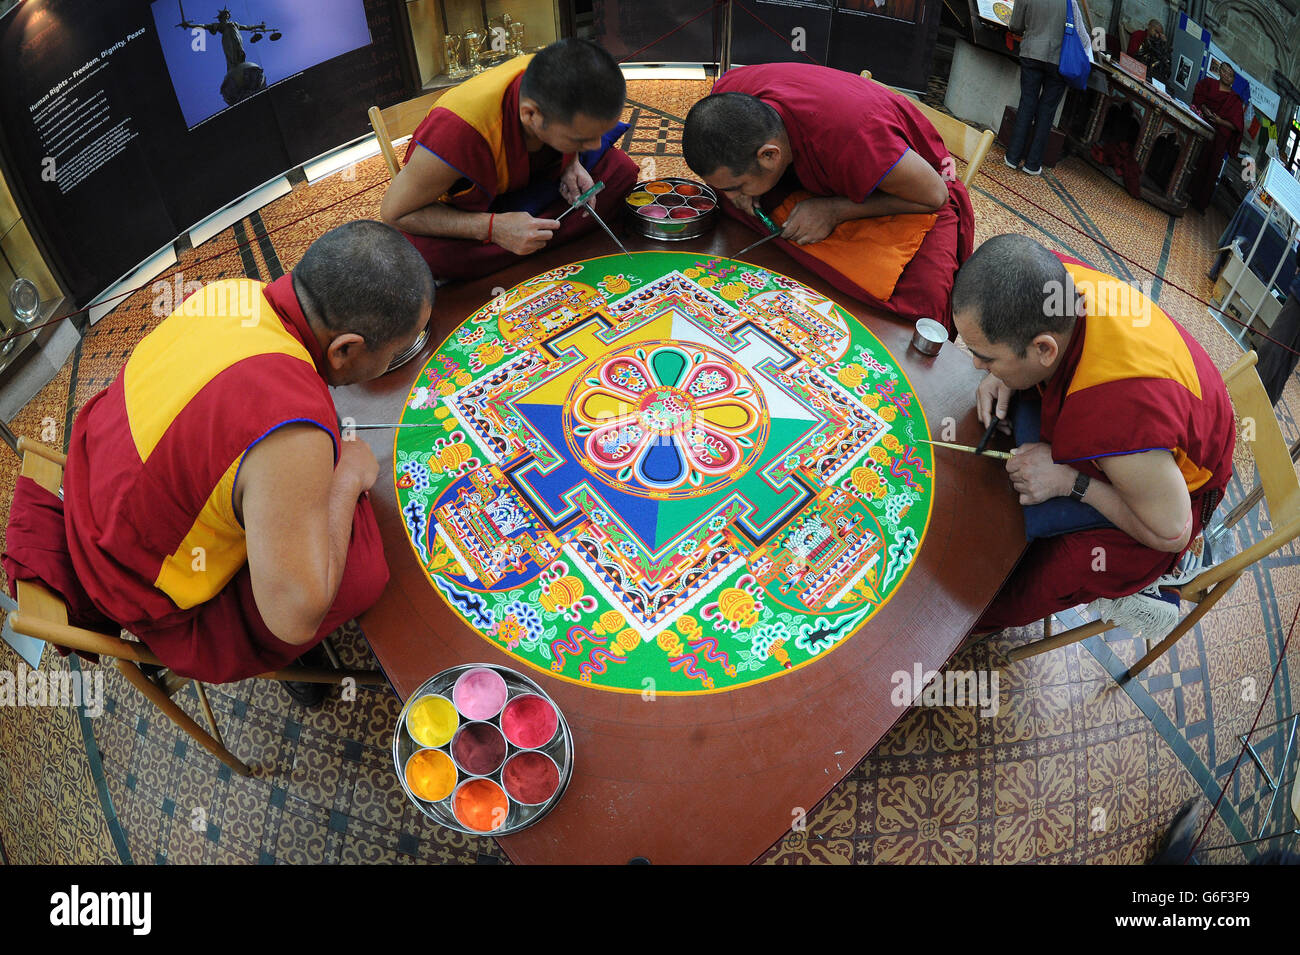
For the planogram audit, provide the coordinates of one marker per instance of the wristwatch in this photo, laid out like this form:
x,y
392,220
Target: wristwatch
x,y
1081,482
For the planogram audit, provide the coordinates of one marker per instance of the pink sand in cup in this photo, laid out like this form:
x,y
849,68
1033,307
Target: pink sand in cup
x,y
529,721
685,212
653,212
479,694
703,203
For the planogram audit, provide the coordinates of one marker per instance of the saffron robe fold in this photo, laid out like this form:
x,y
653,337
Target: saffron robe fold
x,y
153,459
1131,380
846,134
475,129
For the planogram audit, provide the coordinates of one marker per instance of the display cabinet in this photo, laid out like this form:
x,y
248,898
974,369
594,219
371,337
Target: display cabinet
x,y
454,39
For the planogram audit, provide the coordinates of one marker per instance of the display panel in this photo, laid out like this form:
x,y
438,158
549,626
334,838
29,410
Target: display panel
x,y
219,56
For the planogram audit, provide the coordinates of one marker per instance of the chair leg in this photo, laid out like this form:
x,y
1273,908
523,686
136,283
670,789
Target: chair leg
x,y
1199,611
207,711
1060,640
180,717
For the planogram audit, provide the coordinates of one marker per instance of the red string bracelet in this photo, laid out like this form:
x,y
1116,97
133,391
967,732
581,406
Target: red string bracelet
x,y
491,216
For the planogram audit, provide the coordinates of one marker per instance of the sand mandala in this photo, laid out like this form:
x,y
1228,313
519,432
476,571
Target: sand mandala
x,y
674,475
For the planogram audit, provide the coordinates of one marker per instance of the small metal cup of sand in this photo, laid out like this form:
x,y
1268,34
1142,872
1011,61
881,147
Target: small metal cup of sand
x,y
929,336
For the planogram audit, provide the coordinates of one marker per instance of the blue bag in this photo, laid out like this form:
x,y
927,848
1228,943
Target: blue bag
x,y
1075,63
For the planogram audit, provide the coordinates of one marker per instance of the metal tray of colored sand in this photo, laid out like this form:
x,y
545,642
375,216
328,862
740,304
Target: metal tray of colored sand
x,y
672,209
482,749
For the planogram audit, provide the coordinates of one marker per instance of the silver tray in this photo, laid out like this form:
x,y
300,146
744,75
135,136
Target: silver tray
x,y
519,816
672,230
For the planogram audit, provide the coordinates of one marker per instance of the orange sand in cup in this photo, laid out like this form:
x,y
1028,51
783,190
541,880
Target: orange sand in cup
x,y
432,720
481,805
640,199
430,774
658,188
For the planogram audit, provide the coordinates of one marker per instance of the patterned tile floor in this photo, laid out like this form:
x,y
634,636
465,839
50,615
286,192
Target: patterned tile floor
x,y
1073,768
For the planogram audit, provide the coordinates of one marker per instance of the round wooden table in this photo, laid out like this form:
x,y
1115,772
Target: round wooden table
x,y
715,778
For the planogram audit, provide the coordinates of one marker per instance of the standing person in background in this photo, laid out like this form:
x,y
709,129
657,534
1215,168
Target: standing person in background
x,y
1042,24
1215,99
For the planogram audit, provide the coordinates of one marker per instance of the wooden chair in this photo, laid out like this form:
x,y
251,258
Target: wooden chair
x,y
964,142
1281,489
398,122
42,614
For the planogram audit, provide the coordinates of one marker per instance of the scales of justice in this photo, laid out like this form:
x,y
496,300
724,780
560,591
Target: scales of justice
x,y
243,78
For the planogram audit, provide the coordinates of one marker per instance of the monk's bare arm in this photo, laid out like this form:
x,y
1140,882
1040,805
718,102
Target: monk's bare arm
x,y
1147,498
912,186
297,508
411,204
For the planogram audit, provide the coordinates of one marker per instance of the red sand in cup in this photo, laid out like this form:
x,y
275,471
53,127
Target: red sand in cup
x,y
653,212
703,203
478,748
479,694
685,212
529,721
481,805
686,189
531,778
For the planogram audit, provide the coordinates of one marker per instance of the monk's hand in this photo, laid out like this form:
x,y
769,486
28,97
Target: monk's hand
x,y
575,181
991,400
357,463
742,202
811,221
1036,477
520,233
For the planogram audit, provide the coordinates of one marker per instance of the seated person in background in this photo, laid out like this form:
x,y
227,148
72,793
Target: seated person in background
x,y
1135,422
211,505
1151,47
497,159
857,177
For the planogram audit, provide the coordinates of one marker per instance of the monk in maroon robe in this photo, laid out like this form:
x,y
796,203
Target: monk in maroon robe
x,y
1135,422
212,507
859,180
501,156
1222,107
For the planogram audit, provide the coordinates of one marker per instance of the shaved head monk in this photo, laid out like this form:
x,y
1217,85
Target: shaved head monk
x,y
503,154
1134,421
212,506
857,178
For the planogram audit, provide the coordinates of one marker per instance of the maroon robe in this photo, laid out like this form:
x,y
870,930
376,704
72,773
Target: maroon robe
x,y
1227,105
846,134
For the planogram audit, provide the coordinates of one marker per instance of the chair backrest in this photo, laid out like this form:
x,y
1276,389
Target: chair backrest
x,y
398,121
965,142
1262,433
1275,470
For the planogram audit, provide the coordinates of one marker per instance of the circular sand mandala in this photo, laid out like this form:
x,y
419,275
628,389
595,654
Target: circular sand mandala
x,y
678,475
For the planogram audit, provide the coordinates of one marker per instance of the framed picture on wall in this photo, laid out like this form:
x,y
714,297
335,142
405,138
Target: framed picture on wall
x,y
1184,73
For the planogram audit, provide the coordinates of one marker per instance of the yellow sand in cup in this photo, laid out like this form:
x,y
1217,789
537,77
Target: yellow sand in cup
x,y
432,720
430,774
640,199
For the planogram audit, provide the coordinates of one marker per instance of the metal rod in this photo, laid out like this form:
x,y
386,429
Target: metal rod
x,y
966,447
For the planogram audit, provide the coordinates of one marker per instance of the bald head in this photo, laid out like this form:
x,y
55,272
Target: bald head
x,y
1014,289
